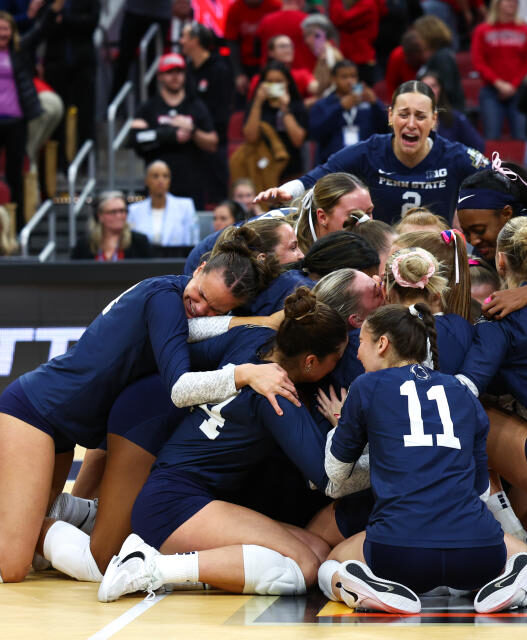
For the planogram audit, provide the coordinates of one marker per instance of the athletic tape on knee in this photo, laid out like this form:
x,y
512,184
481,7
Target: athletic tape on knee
x,y
68,550
326,572
268,572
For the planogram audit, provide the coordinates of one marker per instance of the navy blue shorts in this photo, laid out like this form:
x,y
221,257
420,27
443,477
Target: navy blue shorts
x,y
168,499
144,414
14,402
424,569
352,512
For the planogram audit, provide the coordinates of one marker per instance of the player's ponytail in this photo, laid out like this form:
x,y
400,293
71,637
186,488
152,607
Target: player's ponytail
x,y
246,268
512,241
309,326
410,330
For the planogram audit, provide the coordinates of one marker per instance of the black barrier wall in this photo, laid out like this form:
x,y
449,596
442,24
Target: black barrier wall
x,y
45,307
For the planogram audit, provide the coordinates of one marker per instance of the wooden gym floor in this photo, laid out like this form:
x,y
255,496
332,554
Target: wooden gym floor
x,y
51,606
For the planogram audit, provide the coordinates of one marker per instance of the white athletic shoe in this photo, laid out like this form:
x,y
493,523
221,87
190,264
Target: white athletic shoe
x,y
507,590
359,587
132,570
79,512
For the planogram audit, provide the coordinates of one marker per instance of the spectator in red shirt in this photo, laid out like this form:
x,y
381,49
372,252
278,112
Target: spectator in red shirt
x,y
287,22
241,25
357,22
499,54
281,48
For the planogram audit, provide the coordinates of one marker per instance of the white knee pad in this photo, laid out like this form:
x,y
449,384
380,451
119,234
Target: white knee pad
x,y
268,572
325,574
68,550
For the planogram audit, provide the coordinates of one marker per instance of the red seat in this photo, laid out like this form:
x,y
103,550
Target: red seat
x,y
464,63
5,193
511,150
381,91
471,89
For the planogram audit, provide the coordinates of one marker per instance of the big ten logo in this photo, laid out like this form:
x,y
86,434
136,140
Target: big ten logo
x,y
436,173
58,337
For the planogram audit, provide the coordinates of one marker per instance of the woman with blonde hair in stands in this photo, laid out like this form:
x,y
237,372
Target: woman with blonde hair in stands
x,y
328,205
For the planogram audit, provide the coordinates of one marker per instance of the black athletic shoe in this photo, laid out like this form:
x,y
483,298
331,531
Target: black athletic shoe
x,y
359,587
505,591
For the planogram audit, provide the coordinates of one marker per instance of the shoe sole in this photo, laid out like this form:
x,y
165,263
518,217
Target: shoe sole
x,y
396,598
496,595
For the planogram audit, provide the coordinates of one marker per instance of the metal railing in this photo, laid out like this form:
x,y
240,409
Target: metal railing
x,y
116,139
146,75
87,152
45,209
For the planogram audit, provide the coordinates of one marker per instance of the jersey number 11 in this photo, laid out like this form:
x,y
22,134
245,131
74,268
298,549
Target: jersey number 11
x,y
417,437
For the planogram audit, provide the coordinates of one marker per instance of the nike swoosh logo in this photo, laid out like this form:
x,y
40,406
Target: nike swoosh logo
x,y
465,197
386,173
134,554
506,581
388,587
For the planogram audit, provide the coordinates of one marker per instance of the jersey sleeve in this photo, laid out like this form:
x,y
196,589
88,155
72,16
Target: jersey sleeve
x,y
297,435
168,331
346,160
486,354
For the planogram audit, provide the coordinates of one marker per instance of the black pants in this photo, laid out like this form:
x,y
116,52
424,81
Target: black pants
x,y
13,139
133,29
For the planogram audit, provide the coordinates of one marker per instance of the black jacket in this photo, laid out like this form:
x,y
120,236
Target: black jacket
x,y
140,247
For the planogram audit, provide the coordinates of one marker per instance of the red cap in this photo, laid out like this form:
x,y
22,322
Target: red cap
x,y
171,61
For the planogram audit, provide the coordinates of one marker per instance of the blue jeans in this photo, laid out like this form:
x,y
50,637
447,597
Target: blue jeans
x,y
494,111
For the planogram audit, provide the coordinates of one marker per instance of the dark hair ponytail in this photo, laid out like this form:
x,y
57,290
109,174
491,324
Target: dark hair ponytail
x,y
409,329
309,326
246,269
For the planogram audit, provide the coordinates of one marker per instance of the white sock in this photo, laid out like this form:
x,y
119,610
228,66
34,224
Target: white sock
x,y
68,550
326,572
501,508
178,568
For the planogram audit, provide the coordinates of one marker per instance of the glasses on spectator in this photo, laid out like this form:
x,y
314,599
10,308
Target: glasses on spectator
x,y
115,211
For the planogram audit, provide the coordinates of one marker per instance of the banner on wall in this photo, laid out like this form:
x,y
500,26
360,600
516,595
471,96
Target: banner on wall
x,y
211,13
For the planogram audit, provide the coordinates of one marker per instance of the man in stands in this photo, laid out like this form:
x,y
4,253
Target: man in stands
x,y
175,126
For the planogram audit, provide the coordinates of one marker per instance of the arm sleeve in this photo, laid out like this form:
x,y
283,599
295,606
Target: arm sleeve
x,y
198,387
202,328
153,139
297,435
486,354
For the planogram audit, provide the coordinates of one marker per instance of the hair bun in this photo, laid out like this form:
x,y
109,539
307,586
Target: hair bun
x,y
240,240
300,304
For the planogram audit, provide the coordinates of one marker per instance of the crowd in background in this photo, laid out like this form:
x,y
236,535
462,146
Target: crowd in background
x,y
287,85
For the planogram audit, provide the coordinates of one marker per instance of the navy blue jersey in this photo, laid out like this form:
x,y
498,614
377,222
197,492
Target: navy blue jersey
x,y
499,348
428,463
272,299
143,330
454,339
394,187
220,443
349,366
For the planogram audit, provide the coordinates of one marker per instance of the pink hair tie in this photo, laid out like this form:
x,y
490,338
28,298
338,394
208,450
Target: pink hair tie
x,y
420,284
474,262
487,300
508,173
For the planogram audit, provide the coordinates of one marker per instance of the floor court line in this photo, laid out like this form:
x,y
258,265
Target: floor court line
x,y
126,618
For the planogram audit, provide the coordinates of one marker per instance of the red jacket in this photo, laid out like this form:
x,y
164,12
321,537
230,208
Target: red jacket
x,y
397,71
286,23
499,52
358,28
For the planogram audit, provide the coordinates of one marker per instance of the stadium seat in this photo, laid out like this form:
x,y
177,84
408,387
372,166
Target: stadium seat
x,y
464,64
512,150
381,91
471,89
235,132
